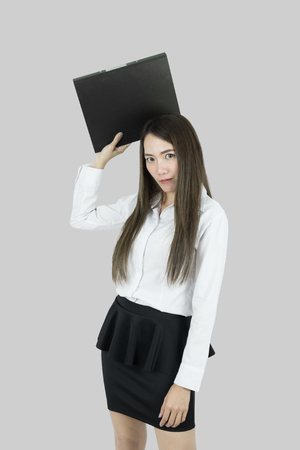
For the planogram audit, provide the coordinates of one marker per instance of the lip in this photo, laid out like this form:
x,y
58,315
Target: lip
x,y
166,180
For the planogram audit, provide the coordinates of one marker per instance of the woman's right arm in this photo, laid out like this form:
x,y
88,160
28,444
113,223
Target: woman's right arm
x,y
85,214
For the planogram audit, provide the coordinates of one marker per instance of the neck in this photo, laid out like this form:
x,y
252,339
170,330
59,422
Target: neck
x,y
168,198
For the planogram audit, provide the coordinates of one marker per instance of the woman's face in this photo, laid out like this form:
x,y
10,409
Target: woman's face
x,y
161,162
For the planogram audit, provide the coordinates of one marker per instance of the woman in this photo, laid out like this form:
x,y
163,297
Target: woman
x,y
168,265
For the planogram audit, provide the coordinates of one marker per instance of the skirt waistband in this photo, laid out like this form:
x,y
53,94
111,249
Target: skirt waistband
x,y
139,335
148,311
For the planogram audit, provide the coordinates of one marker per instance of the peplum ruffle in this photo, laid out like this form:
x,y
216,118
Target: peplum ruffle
x,y
142,336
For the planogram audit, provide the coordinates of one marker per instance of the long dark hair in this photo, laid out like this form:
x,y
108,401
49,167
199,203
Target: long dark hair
x,y
178,131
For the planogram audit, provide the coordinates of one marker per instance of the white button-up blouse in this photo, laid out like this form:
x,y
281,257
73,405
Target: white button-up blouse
x,y
147,285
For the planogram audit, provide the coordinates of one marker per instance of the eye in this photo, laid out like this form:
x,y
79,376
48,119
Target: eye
x,y
168,154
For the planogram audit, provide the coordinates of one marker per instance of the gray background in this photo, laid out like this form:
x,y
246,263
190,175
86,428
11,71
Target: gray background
x,y
235,67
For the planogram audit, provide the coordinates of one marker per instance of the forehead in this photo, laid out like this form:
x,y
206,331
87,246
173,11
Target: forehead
x,y
156,145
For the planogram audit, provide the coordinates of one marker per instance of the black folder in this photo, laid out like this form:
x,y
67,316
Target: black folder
x,y
124,98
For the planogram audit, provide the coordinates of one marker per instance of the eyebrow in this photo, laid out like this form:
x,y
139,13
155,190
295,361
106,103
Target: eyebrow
x,y
165,151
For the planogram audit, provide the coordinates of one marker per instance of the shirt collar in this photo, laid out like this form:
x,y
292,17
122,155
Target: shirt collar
x,y
203,199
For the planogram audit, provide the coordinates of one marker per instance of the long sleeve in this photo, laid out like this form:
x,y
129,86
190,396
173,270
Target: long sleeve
x,y
86,215
210,263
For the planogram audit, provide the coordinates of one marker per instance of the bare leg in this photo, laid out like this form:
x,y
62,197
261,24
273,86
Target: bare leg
x,y
130,433
179,440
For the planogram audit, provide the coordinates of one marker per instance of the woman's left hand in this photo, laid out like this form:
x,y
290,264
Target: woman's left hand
x,y
175,406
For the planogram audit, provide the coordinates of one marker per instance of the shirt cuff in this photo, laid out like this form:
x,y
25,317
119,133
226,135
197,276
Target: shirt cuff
x,y
189,377
89,176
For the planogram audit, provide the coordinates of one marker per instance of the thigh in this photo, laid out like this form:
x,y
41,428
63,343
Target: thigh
x,y
181,440
128,429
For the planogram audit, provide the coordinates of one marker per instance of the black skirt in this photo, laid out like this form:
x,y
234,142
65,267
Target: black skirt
x,y
141,351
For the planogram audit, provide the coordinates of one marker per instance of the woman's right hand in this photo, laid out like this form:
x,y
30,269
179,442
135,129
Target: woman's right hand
x,y
108,152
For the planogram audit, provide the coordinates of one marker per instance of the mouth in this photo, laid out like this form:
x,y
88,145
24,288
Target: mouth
x,y
166,180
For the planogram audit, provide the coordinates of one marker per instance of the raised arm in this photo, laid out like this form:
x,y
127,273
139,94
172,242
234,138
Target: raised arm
x,y
110,151
85,214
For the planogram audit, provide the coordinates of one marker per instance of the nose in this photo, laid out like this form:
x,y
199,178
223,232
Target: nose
x,y
162,167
